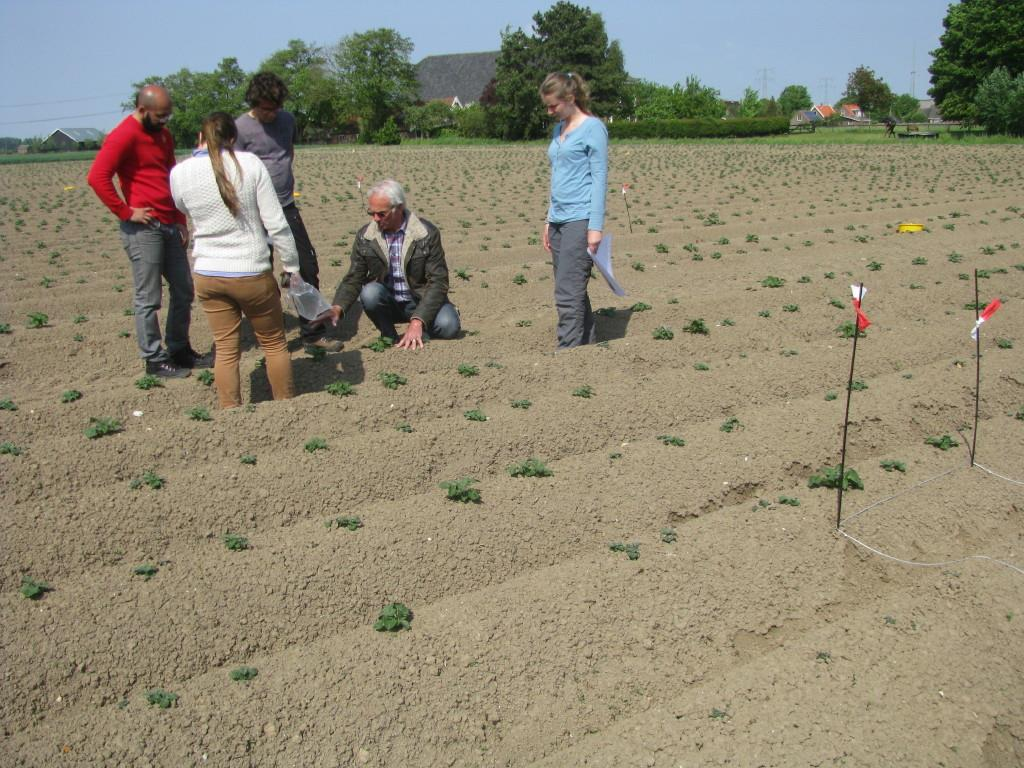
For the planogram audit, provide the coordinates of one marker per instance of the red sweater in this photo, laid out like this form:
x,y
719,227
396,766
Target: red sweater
x,y
142,162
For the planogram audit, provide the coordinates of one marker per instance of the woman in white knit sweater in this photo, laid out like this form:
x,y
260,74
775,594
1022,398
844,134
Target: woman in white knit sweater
x,y
233,208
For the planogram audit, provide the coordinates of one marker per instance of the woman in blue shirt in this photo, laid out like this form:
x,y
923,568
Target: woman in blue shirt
x,y
579,179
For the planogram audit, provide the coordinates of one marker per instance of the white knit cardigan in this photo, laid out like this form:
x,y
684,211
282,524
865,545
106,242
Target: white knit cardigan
x,y
226,243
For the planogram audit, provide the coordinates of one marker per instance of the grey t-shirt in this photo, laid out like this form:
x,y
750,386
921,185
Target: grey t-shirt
x,y
274,144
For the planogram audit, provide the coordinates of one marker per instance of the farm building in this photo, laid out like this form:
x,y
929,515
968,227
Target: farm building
x,y
64,139
824,111
805,117
456,78
931,112
853,114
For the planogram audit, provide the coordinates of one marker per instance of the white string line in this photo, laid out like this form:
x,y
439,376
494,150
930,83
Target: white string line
x,y
1001,477
878,552
855,515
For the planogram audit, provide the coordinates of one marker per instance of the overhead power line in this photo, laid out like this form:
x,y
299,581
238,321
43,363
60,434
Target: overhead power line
x,y
57,119
61,101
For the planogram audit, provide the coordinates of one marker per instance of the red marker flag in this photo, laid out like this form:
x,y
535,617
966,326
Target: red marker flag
x,y
859,292
986,313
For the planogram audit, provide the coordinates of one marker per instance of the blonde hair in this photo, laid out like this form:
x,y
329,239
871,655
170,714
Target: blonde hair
x,y
564,85
219,133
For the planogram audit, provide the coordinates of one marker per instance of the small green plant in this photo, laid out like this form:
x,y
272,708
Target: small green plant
x,y
672,440
605,311
161,698
1004,343
875,266
150,479
462,274
78,319
380,344
943,443
38,319
790,307
467,370
890,465
919,261
475,415
662,333
728,322
247,458
315,444
7,405
348,523
824,656
70,395
199,413
660,248
235,542
701,367
243,674
586,391
640,306
461,490
773,282
730,425
7,448
639,265
765,313
530,468
147,571
837,303
316,354
149,381
205,376
830,395
525,323
5,328
669,535
791,501
697,326
32,589
955,257
392,380
858,385
340,389
100,427
828,477
632,550
847,329
404,427
393,618
521,404
519,278
804,279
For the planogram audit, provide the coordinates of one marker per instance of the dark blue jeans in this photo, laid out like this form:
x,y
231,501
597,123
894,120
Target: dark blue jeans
x,y
380,306
155,251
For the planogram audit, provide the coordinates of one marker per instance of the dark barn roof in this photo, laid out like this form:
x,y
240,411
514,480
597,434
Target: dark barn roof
x,y
464,75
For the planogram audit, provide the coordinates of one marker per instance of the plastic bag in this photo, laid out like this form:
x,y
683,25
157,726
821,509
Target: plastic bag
x,y
307,300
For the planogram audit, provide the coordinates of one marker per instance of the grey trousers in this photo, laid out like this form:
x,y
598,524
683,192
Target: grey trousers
x,y
572,264
155,251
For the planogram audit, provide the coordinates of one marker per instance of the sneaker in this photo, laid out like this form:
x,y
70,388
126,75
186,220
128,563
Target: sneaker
x,y
325,343
189,358
166,369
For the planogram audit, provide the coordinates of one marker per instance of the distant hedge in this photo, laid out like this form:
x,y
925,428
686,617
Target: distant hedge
x,y
702,128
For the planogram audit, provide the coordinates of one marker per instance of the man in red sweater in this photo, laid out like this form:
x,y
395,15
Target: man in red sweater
x,y
140,152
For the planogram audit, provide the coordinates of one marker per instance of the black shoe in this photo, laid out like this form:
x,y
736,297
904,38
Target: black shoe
x,y
324,342
166,369
189,358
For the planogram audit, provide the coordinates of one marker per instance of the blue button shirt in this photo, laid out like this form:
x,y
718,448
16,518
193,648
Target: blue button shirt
x,y
579,174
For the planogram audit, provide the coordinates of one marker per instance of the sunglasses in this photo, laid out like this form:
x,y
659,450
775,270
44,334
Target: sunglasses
x,y
379,214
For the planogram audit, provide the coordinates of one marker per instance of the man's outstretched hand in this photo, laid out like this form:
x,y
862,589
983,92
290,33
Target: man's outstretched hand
x,y
413,337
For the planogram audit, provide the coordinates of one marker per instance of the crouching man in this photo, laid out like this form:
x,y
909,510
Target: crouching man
x,y
399,273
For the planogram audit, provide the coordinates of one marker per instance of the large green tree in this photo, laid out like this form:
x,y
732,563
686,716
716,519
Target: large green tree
x,y
980,35
750,104
197,94
868,91
794,98
314,97
907,108
1000,102
566,38
375,76
700,100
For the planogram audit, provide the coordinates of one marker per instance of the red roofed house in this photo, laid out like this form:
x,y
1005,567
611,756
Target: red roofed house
x,y
851,113
825,111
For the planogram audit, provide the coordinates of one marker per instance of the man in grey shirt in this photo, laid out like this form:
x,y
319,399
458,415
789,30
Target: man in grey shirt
x,y
268,132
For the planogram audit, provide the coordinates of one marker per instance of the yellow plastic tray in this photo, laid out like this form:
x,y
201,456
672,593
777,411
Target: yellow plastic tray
x,y
909,227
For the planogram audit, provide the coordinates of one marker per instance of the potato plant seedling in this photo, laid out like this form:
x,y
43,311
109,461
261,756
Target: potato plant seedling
x,y
205,376
828,477
7,448
147,571
161,699
243,674
461,490
475,415
943,443
7,405
392,380
467,370
101,427
672,440
394,618
586,391
662,333
530,468
32,589
632,550
890,465
315,444
235,542
340,389
70,395
149,381
380,344
348,523
521,404
199,413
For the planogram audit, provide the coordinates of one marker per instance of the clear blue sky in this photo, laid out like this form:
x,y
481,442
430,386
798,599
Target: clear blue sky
x,y
75,60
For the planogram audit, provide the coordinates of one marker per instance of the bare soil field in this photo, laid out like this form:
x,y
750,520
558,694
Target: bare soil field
x,y
747,632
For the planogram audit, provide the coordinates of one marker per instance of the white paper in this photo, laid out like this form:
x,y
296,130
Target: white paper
x,y
603,261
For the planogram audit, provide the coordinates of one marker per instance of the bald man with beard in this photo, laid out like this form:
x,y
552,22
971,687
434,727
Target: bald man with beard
x,y
140,152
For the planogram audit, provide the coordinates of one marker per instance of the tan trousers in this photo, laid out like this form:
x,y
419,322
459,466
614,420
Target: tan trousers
x,y
225,300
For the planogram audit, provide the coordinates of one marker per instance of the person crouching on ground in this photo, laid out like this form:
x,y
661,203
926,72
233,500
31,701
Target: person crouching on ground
x,y
399,273
231,200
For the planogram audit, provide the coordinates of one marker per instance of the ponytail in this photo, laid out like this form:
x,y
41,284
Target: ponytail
x,y
219,133
565,85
